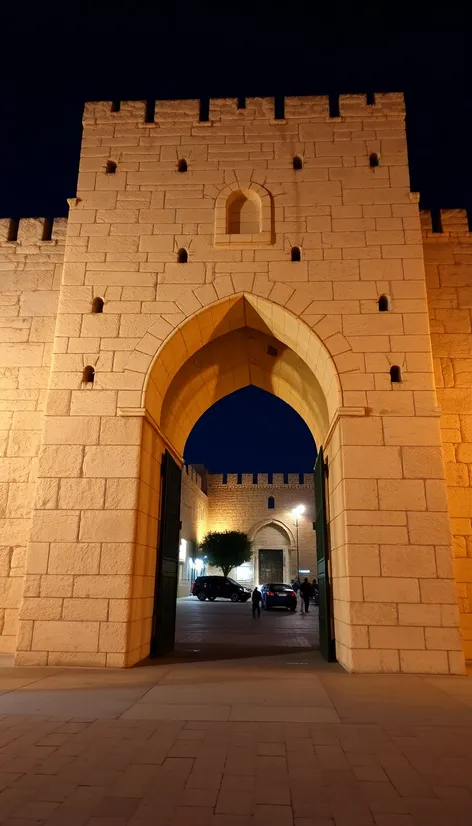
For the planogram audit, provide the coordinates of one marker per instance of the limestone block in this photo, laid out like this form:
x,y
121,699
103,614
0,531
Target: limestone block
x,y
55,526
71,430
438,591
41,608
83,610
117,558
416,459
393,589
73,558
39,303
60,461
112,461
402,638
93,403
65,636
372,462
107,587
23,443
22,355
100,325
37,557
107,526
429,527
46,494
11,595
424,662
121,493
401,494
56,586
374,660
82,493
408,560
113,637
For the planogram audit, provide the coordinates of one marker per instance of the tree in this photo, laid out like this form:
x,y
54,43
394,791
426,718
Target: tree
x,y
226,549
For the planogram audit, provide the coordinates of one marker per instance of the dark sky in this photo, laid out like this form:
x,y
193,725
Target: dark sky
x,y
251,430
61,57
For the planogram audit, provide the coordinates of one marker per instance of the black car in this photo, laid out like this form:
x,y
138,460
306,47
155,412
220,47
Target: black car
x,y
221,587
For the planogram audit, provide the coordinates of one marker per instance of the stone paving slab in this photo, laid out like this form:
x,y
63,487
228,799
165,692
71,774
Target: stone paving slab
x,y
102,748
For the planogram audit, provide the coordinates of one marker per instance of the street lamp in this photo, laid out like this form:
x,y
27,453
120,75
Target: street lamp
x,y
296,513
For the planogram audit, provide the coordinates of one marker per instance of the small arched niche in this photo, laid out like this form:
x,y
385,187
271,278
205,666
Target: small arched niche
x,y
243,213
110,168
297,162
295,254
271,503
374,159
384,303
97,305
395,374
88,374
182,256
182,165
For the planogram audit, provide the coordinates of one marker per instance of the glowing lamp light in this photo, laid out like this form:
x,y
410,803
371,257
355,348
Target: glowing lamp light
x,y
183,550
197,565
298,511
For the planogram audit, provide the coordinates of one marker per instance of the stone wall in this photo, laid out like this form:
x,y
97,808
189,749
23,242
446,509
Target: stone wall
x,y
30,277
243,506
448,261
194,518
92,551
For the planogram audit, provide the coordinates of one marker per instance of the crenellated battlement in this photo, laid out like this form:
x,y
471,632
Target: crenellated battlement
x,y
19,233
374,106
443,223
261,480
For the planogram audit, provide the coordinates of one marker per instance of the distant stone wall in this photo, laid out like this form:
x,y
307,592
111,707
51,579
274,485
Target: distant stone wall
x,y
237,502
194,517
30,276
448,260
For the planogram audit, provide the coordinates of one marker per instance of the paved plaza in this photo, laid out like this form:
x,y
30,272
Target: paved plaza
x,y
281,740
214,630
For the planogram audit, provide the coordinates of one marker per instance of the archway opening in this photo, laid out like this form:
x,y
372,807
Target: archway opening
x,y
242,342
248,464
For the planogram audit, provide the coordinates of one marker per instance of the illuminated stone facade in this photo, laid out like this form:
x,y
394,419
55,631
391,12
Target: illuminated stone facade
x,y
259,504
239,250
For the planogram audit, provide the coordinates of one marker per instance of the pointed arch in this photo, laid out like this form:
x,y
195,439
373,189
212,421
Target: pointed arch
x,y
264,523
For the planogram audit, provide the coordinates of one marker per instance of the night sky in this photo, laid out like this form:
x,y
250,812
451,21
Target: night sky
x,y
156,50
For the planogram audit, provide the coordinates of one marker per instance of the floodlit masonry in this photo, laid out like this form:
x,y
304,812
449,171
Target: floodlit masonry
x,y
184,229
262,506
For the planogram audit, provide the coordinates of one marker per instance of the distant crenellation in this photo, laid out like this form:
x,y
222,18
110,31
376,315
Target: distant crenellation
x,y
444,223
261,480
32,231
378,106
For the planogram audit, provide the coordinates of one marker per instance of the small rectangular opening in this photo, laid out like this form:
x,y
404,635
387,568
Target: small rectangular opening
x,y
436,222
301,478
241,103
334,111
370,98
270,477
115,106
204,114
224,480
469,218
254,478
150,112
13,228
240,479
279,107
47,229
285,478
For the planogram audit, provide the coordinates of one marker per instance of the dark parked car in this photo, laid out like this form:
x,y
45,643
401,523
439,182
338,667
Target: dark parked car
x,y
219,587
277,594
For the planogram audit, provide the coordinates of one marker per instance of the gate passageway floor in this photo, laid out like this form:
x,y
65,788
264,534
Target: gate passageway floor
x,y
223,630
287,740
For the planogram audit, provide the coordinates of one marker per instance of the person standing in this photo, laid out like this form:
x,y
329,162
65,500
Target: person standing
x,y
256,603
306,590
